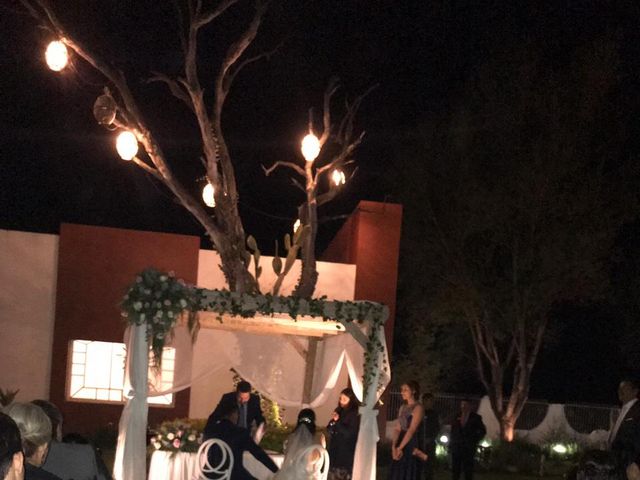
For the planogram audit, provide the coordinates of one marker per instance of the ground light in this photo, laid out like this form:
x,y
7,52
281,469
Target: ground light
x,y
444,439
559,448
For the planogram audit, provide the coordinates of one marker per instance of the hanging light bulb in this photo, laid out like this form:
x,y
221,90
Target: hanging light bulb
x,y
127,145
338,177
208,195
296,225
56,55
310,147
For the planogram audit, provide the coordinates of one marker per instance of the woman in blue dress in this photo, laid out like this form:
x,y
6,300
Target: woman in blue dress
x,y
406,437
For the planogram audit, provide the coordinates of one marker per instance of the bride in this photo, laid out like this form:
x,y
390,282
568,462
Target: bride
x,y
298,464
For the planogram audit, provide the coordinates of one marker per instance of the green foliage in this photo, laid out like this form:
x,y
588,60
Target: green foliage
x,y
515,457
7,396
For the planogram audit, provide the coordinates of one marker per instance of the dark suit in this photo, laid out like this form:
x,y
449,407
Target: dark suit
x,y
625,446
239,441
463,444
254,413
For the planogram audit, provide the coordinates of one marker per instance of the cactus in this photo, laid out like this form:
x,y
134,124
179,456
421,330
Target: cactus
x,y
292,254
253,246
7,396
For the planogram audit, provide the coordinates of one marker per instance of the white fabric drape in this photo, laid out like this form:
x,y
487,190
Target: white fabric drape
x,y
130,460
364,463
271,364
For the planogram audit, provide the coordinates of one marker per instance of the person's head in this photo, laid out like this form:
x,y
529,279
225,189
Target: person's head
x,y
307,418
348,399
410,391
628,390
229,411
243,390
54,416
35,430
466,405
427,400
11,457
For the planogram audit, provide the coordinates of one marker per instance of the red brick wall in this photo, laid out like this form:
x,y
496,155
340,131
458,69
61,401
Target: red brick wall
x,y
370,239
95,267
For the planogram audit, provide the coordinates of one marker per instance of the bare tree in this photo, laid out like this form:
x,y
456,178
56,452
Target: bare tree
x,y
118,107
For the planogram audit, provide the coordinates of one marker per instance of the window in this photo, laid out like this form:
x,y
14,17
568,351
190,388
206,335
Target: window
x,y
96,373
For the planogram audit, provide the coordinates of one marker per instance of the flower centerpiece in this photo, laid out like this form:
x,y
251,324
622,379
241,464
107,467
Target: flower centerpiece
x,y
181,435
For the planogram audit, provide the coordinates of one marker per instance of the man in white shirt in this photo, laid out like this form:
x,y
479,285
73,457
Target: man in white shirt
x,y
624,439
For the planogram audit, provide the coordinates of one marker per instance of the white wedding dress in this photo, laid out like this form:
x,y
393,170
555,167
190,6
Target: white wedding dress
x,y
305,458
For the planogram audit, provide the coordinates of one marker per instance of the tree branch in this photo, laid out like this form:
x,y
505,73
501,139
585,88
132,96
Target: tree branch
x,y
280,163
174,87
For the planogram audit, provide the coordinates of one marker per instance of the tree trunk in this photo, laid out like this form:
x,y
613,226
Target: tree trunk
x,y
309,218
507,427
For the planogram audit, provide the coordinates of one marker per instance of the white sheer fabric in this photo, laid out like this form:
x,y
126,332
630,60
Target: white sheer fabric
x,y
130,460
272,364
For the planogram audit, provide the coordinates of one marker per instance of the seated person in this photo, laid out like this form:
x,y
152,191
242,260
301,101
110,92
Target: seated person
x,y
72,460
35,431
303,436
11,457
222,424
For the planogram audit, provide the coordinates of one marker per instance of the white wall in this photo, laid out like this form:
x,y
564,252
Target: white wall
x,y
28,272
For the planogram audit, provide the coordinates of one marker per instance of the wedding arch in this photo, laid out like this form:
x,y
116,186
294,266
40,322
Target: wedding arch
x,y
158,303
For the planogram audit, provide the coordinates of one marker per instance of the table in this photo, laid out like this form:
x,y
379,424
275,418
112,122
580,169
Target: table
x,y
182,466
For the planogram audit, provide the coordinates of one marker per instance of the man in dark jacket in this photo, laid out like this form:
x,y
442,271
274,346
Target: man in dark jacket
x,y
248,404
238,439
624,438
467,430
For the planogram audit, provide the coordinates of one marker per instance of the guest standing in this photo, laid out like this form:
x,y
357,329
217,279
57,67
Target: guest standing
x,y
35,431
248,404
407,435
467,430
11,457
343,430
624,438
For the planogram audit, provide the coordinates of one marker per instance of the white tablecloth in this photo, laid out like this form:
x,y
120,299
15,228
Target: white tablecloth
x,y
182,466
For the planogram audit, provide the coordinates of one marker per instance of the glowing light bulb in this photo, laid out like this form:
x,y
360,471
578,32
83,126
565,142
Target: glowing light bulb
x,y
208,195
444,439
338,177
310,147
127,145
559,448
56,55
296,225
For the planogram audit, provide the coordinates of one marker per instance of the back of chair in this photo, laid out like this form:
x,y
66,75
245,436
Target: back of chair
x,y
204,469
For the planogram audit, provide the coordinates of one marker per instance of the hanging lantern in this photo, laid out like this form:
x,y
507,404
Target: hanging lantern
x,y
104,109
338,177
208,195
310,147
127,145
56,56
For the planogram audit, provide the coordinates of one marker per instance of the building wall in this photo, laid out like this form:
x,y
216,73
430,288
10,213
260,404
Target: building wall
x,y
95,267
28,272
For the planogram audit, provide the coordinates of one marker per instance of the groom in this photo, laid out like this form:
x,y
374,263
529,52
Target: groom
x,y
238,439
248,405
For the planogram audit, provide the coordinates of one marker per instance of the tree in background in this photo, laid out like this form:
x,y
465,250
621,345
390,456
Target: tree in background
x,y
522,190
204,96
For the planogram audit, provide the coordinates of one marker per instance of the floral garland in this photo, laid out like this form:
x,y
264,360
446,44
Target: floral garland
x,y
159,299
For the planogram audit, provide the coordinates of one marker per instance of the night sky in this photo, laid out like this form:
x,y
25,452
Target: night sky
x,y
57,165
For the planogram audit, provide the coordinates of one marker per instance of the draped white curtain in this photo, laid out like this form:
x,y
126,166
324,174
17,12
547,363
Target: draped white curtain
x,y
272,365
